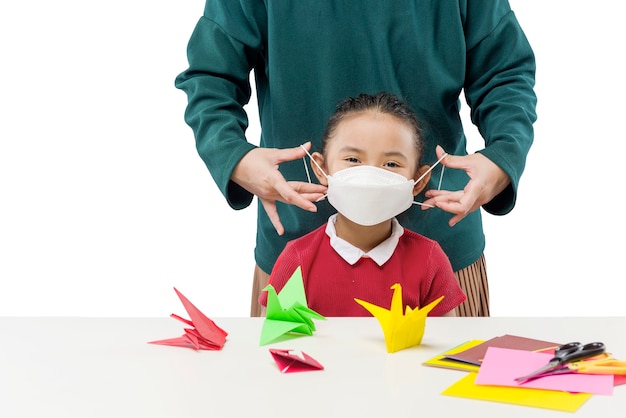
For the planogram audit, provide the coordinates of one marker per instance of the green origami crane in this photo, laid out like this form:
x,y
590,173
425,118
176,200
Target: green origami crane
x,y
287,313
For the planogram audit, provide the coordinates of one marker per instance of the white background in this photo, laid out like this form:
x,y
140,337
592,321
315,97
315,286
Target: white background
x,y
105,204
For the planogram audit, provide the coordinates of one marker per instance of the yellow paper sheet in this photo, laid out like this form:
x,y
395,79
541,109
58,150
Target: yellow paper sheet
x,y
538,398
441,360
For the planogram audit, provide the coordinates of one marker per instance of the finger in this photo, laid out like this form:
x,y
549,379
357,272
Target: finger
x,y
456,202
309,191
455,220
439,151
453,202
433,197
306,187
290,154
427,205
460,208
438,197
290,196
435,193
272,214
462,162
313,197
454,207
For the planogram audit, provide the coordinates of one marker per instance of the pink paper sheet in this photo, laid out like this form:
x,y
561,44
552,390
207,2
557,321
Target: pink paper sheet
x,y
501,366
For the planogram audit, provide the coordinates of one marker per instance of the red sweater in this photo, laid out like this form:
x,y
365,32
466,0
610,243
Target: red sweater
x,y
331,284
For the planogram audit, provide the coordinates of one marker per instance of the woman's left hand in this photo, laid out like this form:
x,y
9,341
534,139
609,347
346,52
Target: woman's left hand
x,y
487,180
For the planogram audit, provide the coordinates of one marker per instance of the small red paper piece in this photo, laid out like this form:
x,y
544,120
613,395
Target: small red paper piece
x,y
289,361
205,335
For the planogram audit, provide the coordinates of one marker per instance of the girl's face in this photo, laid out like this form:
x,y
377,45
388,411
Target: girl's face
x,y
371,138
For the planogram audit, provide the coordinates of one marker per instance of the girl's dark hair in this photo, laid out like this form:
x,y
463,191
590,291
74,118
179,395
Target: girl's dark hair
x,y
383,102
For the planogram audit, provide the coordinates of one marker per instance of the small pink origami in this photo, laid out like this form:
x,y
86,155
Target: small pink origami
x,y
205,335
289,361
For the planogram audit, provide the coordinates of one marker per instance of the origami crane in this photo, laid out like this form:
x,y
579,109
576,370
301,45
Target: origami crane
x,y
287,313
289,361
205,335
401,331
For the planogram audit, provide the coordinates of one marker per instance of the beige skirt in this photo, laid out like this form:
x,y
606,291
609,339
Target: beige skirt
x,y
472,279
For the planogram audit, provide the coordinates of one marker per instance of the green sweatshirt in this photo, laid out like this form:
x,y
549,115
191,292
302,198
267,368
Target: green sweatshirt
x,y
308,55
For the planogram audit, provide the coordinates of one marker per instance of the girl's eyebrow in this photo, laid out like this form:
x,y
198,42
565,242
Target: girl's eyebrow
x,y
396,154
356,150
351,149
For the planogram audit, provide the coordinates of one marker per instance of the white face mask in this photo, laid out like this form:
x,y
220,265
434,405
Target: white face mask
x,y
369,195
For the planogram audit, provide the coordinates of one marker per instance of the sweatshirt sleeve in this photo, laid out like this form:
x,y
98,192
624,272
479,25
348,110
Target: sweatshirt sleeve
x,y
499,89
223,48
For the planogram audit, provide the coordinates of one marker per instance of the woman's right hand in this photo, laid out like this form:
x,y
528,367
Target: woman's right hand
x,y
257,172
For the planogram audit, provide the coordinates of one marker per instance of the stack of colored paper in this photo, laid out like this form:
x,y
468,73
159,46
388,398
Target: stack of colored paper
x,y
494,379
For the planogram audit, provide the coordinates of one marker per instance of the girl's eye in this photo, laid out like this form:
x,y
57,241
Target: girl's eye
x,y
352,160
392,164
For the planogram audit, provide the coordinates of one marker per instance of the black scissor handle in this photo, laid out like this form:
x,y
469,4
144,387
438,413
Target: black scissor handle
x,y
566,349
570,352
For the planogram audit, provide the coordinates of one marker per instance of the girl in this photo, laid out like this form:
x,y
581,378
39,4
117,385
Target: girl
x,y
370,161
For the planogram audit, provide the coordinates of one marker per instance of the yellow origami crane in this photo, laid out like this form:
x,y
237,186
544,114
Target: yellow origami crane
x,y
401,331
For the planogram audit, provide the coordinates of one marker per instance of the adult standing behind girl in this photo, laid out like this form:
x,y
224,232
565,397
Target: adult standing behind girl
x,y
309,55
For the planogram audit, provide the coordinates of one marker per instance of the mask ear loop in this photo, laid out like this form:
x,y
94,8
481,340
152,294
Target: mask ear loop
x,y
306,168
313,161
428,171
443,167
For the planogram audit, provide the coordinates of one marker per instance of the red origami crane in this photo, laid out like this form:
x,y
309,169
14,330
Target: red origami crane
x,y
205,335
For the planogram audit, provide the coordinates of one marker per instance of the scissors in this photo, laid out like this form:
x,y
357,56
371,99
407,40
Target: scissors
x,y
563,356
602,365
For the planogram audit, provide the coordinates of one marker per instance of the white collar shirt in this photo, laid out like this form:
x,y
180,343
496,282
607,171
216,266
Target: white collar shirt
x,y
380,254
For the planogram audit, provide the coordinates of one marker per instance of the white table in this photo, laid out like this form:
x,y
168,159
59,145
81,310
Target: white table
x,y
103,367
